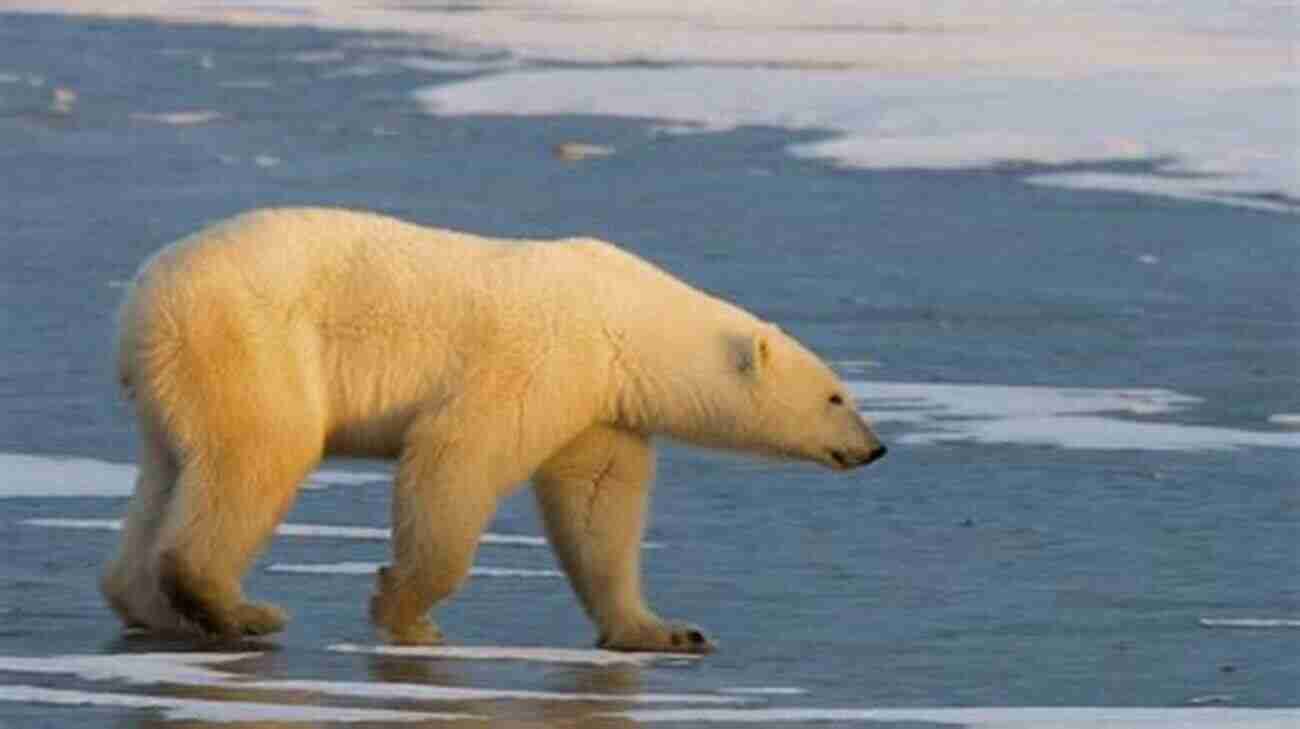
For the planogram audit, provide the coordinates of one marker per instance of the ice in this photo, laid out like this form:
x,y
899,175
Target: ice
x,y
568,656
991,718
134,668
425,692
180,118
953,36
24,475
204,710
190,669
1199,147
1071,418
333,477
369,568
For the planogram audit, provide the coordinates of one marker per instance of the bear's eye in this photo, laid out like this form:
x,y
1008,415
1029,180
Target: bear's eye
x,y
836,399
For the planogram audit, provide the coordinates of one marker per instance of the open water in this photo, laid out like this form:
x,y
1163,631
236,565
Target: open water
x,y
1090,397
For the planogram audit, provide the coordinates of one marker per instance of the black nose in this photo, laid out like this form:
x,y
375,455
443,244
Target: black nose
x,y
876,454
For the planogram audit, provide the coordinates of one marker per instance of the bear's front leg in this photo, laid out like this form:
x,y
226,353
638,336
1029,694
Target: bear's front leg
x,y
448,486
593,497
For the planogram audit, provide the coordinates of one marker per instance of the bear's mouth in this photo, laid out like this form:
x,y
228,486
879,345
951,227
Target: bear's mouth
x,y
845,460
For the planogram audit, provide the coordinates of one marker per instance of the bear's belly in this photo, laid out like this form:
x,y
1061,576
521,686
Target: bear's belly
x,y
377,436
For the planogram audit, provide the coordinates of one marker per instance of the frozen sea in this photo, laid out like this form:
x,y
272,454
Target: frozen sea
x,y
1056,260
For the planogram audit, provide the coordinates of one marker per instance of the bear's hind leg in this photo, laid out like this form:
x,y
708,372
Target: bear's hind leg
x,y
223,512
593,497
129,584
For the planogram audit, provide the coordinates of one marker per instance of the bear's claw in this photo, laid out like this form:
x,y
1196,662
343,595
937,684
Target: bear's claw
x,y
661,638
421,632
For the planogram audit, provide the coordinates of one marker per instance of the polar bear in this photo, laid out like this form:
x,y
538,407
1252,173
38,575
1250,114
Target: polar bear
x,y
257,346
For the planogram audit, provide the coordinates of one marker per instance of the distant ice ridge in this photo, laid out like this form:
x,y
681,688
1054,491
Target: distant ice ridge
x,y
1074,418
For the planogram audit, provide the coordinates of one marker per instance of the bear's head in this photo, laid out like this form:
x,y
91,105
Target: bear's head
x,y
790,404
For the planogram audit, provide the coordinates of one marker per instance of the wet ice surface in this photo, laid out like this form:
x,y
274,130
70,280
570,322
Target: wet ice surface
x,y
1090,495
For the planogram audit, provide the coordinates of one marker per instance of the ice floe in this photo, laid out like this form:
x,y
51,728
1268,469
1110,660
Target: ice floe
x,y
882,120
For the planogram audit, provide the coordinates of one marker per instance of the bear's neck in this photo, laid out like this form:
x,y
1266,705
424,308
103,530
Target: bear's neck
x,y
668,370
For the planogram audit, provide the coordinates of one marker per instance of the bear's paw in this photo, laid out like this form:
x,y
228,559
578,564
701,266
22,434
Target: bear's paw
x,y
259,618
659,637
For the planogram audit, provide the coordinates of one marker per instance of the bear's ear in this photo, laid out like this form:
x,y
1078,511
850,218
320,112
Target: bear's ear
x,y
753,353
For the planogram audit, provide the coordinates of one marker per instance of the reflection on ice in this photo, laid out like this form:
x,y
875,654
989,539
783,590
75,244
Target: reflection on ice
x,y
569,656
191,669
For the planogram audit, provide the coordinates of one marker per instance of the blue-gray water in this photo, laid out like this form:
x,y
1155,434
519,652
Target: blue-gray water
x,y
948,574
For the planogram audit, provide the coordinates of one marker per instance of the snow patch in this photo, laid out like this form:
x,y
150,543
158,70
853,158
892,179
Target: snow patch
x,y
179,118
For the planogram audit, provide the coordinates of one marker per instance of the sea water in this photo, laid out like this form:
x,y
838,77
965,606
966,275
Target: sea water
x,y
1061,283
